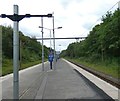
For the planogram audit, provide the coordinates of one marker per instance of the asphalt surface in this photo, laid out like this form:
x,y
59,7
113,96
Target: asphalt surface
x,y
62,83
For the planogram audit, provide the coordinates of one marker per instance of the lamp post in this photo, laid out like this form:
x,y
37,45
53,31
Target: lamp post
x,y
58,52
60,48
53,39
16,56
54,62
50,41
119,5
42,45
50,32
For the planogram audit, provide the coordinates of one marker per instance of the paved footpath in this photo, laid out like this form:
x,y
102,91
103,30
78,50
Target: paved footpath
x,y
62,83
66,83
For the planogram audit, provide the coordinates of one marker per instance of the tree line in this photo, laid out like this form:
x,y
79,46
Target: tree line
x,y
102,42
30,48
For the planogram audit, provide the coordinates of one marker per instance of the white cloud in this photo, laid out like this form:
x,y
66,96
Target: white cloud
x,y
75,16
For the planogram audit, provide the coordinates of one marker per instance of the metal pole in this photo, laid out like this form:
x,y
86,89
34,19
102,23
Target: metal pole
x,y
15,57
0,62
118,68
54,44
50,41
20,53
119,5
42,45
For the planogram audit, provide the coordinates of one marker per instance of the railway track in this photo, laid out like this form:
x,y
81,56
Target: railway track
x,y
113,81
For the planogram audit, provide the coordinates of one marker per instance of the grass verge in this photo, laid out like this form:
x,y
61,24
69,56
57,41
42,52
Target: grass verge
x,y
111,69
7,66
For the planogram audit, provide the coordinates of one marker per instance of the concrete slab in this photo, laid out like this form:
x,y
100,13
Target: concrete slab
x,y
109,89
65,83
62,83
27,78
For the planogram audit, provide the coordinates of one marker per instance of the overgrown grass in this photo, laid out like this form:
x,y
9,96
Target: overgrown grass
x,y
109,67
7,66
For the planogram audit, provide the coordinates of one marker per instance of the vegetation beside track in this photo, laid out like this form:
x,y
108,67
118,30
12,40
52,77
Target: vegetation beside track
x,y
110,69
7,67
101,49
30,50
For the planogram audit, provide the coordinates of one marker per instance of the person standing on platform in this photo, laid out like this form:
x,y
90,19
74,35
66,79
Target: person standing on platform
x,y
50,58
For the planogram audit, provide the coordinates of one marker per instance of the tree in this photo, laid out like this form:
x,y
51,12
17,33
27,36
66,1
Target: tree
x,y
30,49
103,40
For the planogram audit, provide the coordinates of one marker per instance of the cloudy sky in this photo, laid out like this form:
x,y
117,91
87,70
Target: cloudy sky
x,y
76,17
